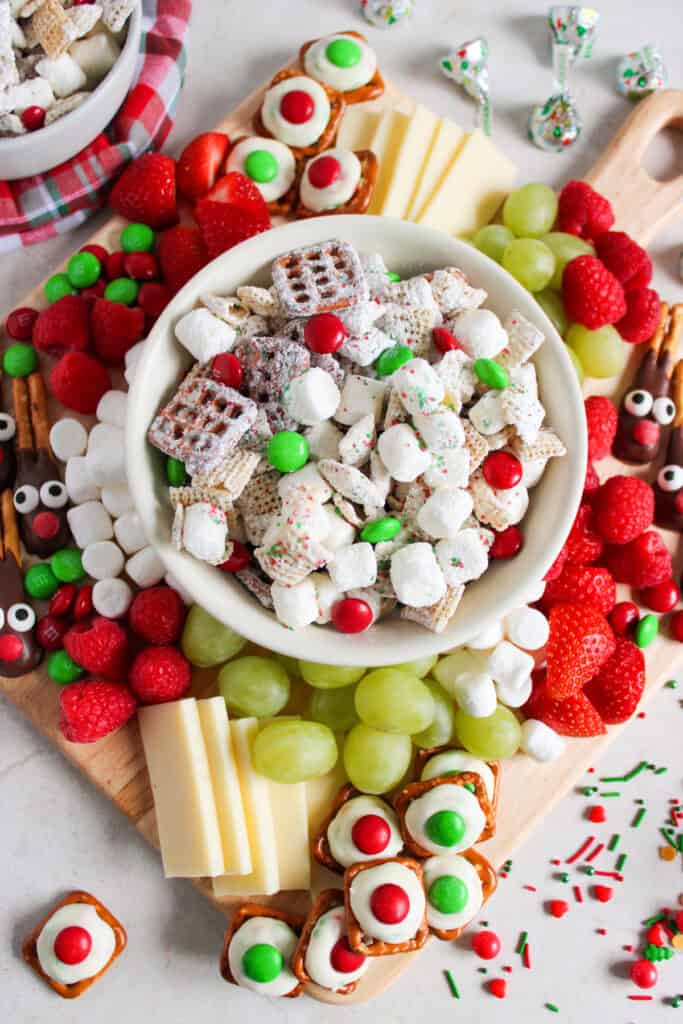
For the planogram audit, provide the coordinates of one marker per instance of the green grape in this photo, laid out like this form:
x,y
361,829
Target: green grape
x,y
206,641
530,211
565,248
442,728
289,750
493,240
530,262
254,686
494,738
335,708
376,761
576,363
420,667
459,661
329,677
394,701
553,307
291,665
602,353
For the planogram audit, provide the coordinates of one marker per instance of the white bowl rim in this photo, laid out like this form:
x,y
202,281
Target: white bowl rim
x,y
45,135
245,614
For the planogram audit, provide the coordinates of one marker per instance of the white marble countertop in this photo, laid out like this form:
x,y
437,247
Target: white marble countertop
x,y
58,833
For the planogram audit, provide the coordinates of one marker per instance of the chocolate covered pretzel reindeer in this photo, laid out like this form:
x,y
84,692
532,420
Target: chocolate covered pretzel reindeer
x,y
40,497
8,462
668,486
19,651
648,406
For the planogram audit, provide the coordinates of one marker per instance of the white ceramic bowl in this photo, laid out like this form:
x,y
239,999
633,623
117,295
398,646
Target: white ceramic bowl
x,y
39,151
407,249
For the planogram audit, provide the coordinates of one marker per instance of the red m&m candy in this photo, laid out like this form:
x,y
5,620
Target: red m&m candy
x,y
351,615
502,470
444,340
239,559
486,945
644,974
50,632
344,959
297,106
371,834
324,333
661,598
20,323
506,543
623,616
33,118
73,944
676,626
228,370
324,171
389,903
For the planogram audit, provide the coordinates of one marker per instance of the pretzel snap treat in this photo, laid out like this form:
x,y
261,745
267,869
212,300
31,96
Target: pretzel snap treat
x,y
385,906
75,944
19,651
272,167
444,815
668,486
337,181
302,113
457,886
444,762
346,62
648,405
323,956
358,827
258,949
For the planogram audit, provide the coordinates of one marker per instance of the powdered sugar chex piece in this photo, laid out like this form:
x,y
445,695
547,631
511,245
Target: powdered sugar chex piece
x,y
437,616
524,338
359,440
418,385
349,482
364,349
360,396
453,292
498,509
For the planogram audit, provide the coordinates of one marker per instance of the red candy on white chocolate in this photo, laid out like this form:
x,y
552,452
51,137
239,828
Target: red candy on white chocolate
x,y
73,944
297,106
324,171
390,903
371,834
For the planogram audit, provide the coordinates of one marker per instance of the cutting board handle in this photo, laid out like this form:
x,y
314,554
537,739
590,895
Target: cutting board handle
x,y
642,205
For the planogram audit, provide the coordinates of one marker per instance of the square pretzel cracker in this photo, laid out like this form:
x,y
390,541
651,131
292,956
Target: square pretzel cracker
x,y
327,900
337,106
360,200
320,847
283,206
30,953
243,913
426,753
359,941
319,278
364,93
415,789
489,884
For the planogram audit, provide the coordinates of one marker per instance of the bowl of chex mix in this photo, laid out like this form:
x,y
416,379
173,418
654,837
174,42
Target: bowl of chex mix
x,y
356,443
65,70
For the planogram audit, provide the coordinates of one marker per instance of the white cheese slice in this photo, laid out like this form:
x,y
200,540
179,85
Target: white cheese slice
x,y
446,144
290,817
321,792
411,156
213,717
357,128
386,144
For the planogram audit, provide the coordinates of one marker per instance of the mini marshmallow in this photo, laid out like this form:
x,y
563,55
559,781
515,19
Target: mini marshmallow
x,y
479,332
106,462
145,568
540,741
204,335
63,73
527,628
360,396
103,434
327,594
358,442
308,474
419,386
462,558
111,408
312,397
175,584
372,598
514,696
323,440
443,514
354,566
103,560
416,576
476,694
295,606
112,598
338,532
401,453
487,638
117,500
68,437
508,665
129,533
448,469
89,523
79,483
96,54
487,414
32,92
205,532
441,430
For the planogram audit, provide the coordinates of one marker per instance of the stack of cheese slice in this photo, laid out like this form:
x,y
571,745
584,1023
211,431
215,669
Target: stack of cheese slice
x,y
430,170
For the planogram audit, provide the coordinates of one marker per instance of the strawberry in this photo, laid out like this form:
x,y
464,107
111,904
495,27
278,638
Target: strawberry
x,y
580,642
159,674
239,190
623,508
581,583
199,164
146,191
78,381
616,690
558,565
181,255
592,296
584,546
94,709
574,716
583,211
645,562
115,329
99,646
601,420
63,327
223,225
625,258
157,615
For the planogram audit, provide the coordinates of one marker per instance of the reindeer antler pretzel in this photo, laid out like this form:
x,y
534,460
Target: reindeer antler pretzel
x,y
9,532
30,410
655,341
677,394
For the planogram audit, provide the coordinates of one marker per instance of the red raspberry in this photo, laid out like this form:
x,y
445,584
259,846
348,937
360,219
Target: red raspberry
x,y
582,583
592,296
160,674
616,690
583,211
94,291
94,709
642,315
114,264
100,646
623,508
591,484
78,381
645,562
157,615
601,420
63,327
584,546
141,266
625,258
153,298
115,329
20,323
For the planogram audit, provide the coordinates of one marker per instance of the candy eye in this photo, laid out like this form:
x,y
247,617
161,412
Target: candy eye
x,y
663,411
670,478
21,618
7,427
638,403
2,618
26,499
53,494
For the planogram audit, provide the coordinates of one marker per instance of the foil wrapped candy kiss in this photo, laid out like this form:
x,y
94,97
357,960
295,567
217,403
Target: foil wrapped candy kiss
x,y
468,66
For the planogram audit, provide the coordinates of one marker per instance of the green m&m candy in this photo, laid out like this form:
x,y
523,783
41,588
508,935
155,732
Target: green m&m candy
x,y
67,565
57,286
393,277
448,894
40,581
392,358
123,290
287,451
491,373
445,828
343,53
261,166
63,669
646,630
176,474
137,238
382,529
83,269
19,359
262,962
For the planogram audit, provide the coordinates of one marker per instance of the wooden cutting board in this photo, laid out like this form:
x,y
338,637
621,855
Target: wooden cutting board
x,y
116,765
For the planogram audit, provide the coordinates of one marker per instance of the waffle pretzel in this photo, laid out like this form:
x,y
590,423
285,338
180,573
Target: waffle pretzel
x,y
319,278
328,899
427,753
372,90
359,941
337,106
360,200
415,789
243,913
489,884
